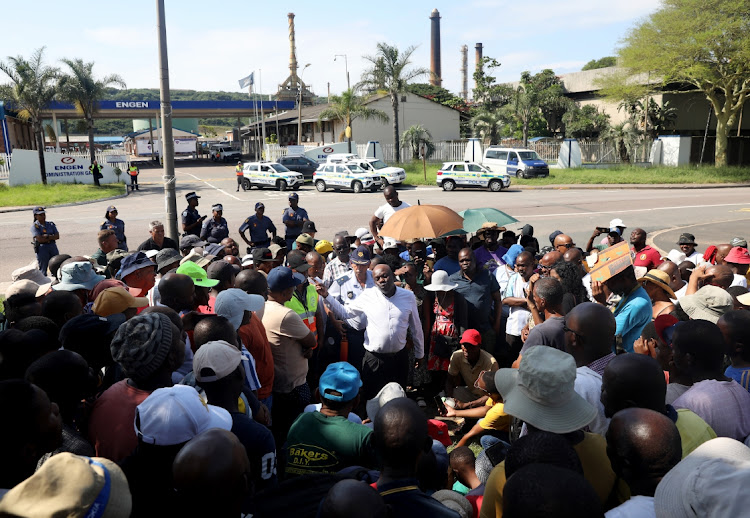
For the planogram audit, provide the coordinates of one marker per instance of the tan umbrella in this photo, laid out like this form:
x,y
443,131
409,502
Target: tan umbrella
x,y
420,221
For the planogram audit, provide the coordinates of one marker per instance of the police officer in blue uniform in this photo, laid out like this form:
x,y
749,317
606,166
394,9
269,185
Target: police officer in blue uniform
x,y
259,226
293,219
117,225
216,228
44,234
191,220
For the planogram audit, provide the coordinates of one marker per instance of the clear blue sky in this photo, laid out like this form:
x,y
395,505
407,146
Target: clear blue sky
x,y
213,44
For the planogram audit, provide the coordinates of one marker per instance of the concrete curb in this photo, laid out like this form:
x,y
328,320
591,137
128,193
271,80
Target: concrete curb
x,y
22,209
629,186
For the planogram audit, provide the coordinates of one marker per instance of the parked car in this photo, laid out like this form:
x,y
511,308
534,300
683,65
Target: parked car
x,y
224,153
270,174
470,174
345,176
300,164
390,175
523,163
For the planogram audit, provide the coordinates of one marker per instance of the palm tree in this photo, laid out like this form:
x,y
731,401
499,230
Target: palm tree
x,y
415,136
84,91
488,124
390,72
31,89
347,107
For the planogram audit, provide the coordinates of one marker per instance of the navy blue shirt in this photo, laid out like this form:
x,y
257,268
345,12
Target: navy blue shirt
x,y
478,295
190,216
48,229
261,449
448,265
214,231
291,214
408,501
259,228
119,227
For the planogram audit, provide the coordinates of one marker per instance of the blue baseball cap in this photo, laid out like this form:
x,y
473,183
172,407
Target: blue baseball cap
x,y
132,263
294,196
259,205
282,278
361,255
340,377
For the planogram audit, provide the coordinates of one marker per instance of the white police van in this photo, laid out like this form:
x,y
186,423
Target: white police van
x,y
390,175
345,176
470,174
522,163
270,174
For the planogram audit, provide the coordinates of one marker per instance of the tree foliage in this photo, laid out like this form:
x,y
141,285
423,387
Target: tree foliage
x,y
390,71
585,122
606,61
346,108
702,43
414,137
488,93
539,96
32,87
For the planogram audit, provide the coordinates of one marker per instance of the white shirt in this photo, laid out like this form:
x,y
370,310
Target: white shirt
x,y
739,280
346,288
517,316
696,258
638,506
384,319
386,211
586,280
588,385
680,293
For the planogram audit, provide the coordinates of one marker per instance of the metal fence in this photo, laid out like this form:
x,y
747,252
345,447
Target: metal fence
x,y
4,166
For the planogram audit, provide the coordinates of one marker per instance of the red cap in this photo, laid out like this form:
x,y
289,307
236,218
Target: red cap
x,y
738,255
662,323
438,430
471,336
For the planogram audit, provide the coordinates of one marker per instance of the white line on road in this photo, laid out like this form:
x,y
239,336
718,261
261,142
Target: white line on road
x,y
527,216
204,181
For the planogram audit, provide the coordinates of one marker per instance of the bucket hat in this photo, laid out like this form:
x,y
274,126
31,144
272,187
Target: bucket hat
x,y
389,392
440,282
78,276
542,392
708,303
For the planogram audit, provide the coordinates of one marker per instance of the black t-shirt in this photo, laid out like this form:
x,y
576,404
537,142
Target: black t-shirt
x,y
261,449
150,244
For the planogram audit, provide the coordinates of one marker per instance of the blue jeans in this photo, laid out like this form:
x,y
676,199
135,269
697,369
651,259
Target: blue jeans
x,y
490,439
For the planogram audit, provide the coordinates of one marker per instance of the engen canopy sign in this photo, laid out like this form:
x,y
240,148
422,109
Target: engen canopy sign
x,y
61,168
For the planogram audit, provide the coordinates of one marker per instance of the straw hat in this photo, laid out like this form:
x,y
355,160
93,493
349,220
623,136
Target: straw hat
x,y
658,278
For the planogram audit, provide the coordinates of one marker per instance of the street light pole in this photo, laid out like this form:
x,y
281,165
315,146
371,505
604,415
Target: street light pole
x,y
166,126
299,107
348,131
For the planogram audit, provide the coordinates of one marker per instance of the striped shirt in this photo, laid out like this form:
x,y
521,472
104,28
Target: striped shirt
x,y
741,376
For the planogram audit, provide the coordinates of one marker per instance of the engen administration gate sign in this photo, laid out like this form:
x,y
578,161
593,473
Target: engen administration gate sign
x,y
61,168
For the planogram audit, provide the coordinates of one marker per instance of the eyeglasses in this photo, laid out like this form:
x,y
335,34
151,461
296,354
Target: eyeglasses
x,y
567,245
566,329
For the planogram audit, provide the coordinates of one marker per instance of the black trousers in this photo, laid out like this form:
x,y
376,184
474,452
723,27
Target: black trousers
x,y
378,369
133,182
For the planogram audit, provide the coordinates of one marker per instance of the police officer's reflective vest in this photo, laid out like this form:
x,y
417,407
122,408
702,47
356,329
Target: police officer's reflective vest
x,y
133,170
238,170
307,310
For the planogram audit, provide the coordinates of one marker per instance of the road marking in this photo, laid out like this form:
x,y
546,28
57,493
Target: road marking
x,y
742,210
210,185
627,211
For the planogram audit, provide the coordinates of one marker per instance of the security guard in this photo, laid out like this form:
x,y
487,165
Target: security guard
x,y
112,223
133,172
216,228
191,220
44,234
346,288
240,176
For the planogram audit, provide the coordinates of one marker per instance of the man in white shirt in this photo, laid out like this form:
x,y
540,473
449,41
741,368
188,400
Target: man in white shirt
x,y
514,298
386,313
385,211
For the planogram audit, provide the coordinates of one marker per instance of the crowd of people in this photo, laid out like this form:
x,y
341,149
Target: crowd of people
x,y
476,375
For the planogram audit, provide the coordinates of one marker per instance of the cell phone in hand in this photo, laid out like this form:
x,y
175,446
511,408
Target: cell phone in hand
x,y
440,406
603,230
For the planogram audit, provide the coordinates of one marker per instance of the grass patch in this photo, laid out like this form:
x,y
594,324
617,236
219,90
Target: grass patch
x,y
614,175
56,194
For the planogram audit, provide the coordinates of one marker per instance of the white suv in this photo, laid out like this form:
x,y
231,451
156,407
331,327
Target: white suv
x,y
345,176
270,174
470,174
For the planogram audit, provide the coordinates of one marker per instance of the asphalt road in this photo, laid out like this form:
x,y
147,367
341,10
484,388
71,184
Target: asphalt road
x,y
713,215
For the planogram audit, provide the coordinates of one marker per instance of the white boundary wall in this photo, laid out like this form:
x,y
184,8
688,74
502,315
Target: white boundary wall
x,y
61,168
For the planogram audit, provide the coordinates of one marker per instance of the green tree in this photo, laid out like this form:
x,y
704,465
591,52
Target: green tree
x,y
625,137
432,92
585,122
81,88
702,43
488,92
348,107
488,125
607,61
414,137
390,71
31,89
551,99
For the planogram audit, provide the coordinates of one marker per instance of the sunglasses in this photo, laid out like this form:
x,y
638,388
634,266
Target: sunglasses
x,y
567,245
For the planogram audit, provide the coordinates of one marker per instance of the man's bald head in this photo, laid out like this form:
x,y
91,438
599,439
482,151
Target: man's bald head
x,y
722,251
550,258
592,332
400,435
633,380
213,463
563,243
353,498
177,291
573,255
675,278
643,445
721,275
252,282
211,328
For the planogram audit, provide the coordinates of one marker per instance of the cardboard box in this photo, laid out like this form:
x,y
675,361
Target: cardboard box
x,y
611,261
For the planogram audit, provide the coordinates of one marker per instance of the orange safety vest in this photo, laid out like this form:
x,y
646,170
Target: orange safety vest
x,y
238,170
306,310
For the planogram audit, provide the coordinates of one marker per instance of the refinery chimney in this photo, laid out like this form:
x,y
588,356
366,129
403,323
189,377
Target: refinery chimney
x,y
465,72
436,77
478,49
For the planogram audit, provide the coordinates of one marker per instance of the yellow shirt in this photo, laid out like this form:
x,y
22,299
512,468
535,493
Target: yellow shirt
x,y
694,431
592,451
495,418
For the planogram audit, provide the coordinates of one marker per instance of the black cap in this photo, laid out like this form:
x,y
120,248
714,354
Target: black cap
x,y
191,195
308,226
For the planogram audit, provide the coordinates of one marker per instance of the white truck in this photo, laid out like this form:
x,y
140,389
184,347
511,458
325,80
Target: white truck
x,y
224,153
